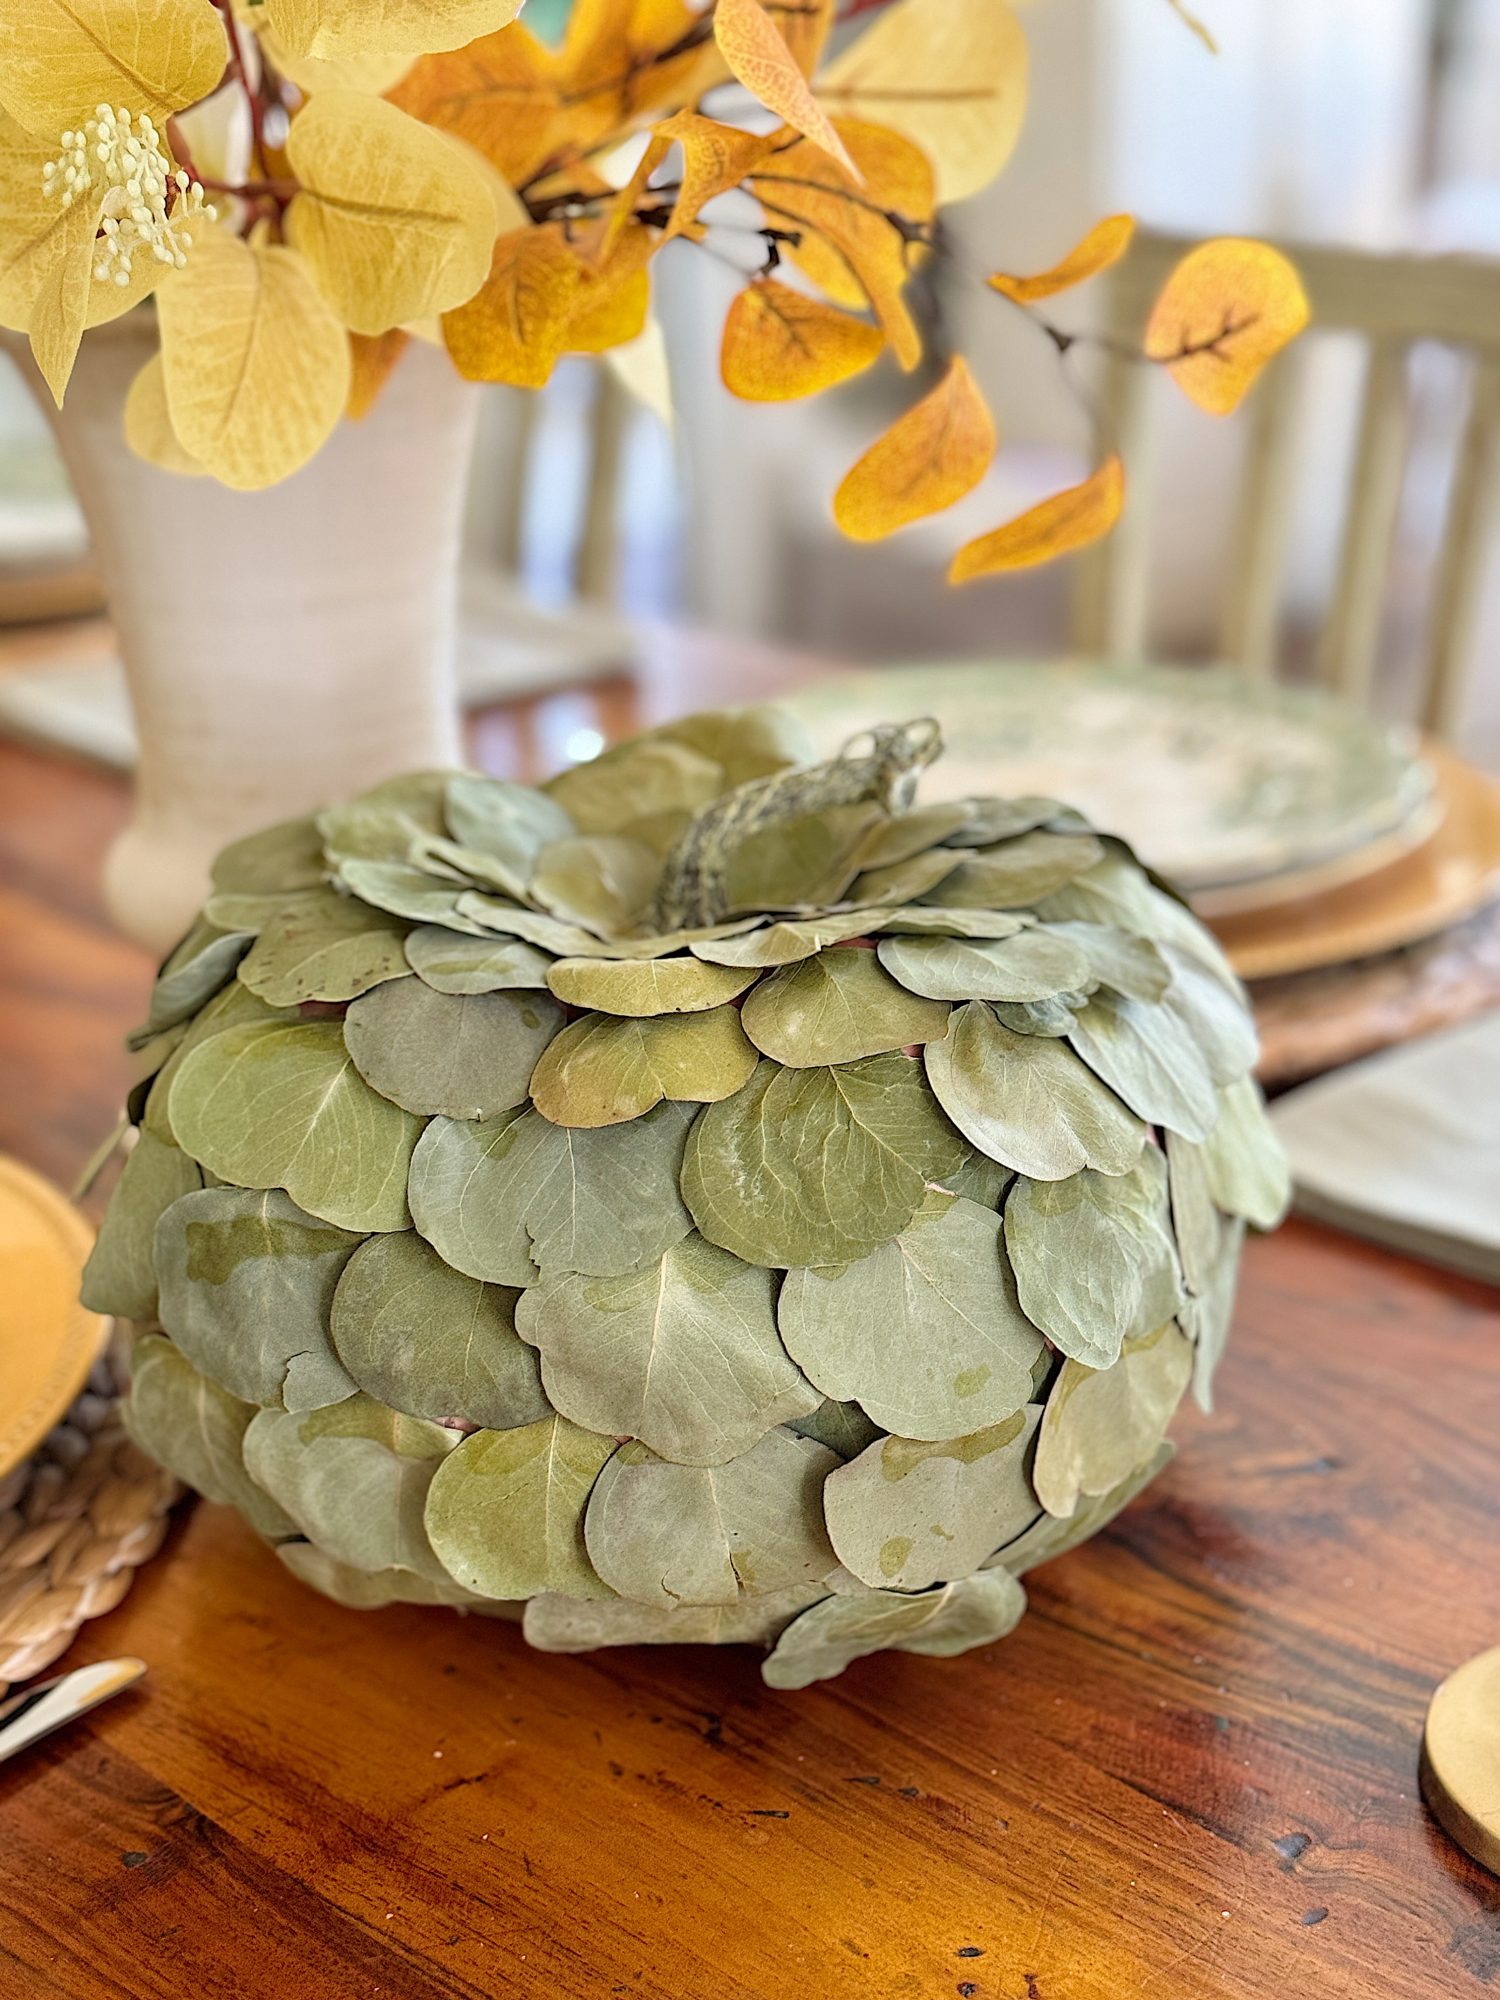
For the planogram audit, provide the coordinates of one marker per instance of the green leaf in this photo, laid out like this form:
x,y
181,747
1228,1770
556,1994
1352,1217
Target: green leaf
x,y
605,1070
1048,1537
463,1056
836,1008
823,1641
905,1515
1142,1050
784,944
204,961
431,1342
372,1590
1118,958
197,1430
910,833
235,1007
354,1477
798,863
1246,1167
505,1514
249,911
1195,1221
1217,1020
279,860
402,890
668,1534
246,1284
1028,1101
326,947
1102,1425
1206,1320
282,1105
684,1354
817,1166
511,823
493,913
571,1625
119,1277
915,920
604,881
987,821
1055,1018
1032,965
1017,873
843,1427
511,1195
925,1333
641,779
903,881
453,964
644,986
1094,1257
382,823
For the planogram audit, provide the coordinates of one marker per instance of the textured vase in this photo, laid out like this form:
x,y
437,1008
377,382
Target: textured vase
x,y
281,648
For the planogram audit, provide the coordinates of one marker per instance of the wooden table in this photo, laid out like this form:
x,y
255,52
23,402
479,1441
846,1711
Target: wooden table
x,y
1191,1774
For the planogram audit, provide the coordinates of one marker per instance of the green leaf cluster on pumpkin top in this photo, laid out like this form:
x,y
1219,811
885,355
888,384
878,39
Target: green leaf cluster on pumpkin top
x,y
703,1199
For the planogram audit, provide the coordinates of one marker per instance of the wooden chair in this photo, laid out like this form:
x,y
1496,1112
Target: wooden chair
x,y
1391,302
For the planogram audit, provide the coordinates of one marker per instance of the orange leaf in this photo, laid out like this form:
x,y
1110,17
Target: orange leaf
x,y
756,51
1104,245
780,344
617,60
859,240
372,357
1229,306
1069,520
516,325
930,457
715,158
806,26
502,94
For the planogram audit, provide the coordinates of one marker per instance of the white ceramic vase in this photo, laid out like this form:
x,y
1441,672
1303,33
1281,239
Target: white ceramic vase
x,y
283,648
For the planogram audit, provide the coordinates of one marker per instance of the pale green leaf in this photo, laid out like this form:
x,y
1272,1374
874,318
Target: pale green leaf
x,y
197,1430
323,947
642,986
462,1056
1102,1425
572,1625
1247,1169
605,1070
1149,1059
1032,965
835,1008
454,964
505,1514
952,1619
119,1277
1017,873
1048,1537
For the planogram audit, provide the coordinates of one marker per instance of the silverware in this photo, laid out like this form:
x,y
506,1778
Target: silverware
x,y
36,1711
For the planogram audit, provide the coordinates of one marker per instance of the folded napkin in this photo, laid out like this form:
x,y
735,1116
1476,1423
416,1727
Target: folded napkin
x,y
1405,1148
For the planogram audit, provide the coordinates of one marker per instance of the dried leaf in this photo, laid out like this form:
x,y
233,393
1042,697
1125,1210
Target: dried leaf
x,y
933,455
197,1430
1146,1055
756,51
568,1625
835,1008
948,74
1103,1425
342,29
715,158
638,987
515,326
148,423
323,946
451,964
1246,1166
1069,520
505,1511
1105,244
780,344
463,1056
604,1070
1228,308
65,56
502,95
1033,965
255,363
822,1642
371,359
120,1275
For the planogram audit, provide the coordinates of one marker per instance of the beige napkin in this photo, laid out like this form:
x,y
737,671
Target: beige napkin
x,y
1405,1148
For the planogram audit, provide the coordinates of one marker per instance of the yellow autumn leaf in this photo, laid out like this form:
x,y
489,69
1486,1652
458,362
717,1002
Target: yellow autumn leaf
x,y
780,344
948,74
148,423
343,30
613,298
372,73
255,362
715,158
501,94
1227,309
371,359
1055,527
755,50
859,239
64,57
516,325
929,458
621,58
395,222
1105,244
59,308
806,26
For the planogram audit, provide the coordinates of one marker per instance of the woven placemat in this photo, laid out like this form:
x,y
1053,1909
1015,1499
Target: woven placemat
x,y
77,1520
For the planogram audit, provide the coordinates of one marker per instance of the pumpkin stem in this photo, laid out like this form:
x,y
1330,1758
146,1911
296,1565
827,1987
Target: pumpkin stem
x,y
694,881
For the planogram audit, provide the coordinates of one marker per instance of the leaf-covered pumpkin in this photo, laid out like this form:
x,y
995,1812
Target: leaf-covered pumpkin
x,y
704,1199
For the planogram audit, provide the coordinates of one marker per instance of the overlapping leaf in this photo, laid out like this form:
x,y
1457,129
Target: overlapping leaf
x,y
606,1069
824,1640
1103,1425
505,1512
835,1008
461,1056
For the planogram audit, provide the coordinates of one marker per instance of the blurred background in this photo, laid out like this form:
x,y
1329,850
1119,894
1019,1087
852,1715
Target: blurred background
x,y
1365,123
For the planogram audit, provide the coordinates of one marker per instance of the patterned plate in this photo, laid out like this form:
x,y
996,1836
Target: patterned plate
x,y
1215,778
47,1341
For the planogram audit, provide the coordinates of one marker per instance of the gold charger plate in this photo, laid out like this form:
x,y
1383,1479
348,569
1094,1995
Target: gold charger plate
x,y
1460,1767
1445,880
48,1342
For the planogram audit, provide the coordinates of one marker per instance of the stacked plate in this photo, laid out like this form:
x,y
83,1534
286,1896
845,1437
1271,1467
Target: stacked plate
x,y
1308,833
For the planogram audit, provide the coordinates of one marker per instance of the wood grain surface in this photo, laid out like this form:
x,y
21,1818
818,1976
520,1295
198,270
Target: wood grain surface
x,y
1191,1774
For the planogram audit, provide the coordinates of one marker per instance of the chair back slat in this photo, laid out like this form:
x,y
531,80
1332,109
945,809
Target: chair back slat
x,y
1346,657
1252,605
1391,302
1473,517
